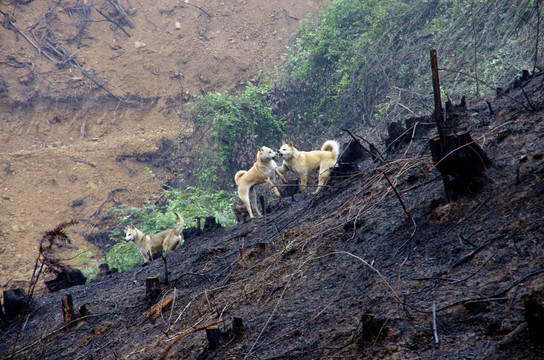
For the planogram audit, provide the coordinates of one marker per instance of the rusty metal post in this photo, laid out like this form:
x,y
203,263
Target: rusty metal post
x,y
439,113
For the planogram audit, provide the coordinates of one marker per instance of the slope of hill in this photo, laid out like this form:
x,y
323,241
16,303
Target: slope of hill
x,y
345,273
63,137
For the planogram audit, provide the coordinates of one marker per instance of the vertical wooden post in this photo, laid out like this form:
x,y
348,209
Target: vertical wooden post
x,y
153,289
438,112
212,333
237,326
68,308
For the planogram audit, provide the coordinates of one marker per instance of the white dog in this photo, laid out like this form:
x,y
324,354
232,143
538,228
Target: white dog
x,y
261,172
167,240
303,163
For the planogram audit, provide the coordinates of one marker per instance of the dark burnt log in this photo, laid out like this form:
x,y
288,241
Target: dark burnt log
x,y
104,270
210,224
348,161
398,135
534,315
371,328
153,289
68,308
14,303
240,212
66,278
237,326
191,233
461,162
453,114
290,189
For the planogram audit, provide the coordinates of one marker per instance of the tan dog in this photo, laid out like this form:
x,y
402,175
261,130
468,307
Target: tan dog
x,y
166,240
303,163
262,170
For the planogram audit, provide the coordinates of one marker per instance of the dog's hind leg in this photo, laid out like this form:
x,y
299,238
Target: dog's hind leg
x,y
253,200
243,192
323,177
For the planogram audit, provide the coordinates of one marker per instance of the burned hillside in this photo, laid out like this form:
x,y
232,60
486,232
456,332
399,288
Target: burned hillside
x,y
352,272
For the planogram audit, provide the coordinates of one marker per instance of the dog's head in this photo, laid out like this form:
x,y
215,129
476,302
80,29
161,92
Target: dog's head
x,y
131,233
286,150
266,153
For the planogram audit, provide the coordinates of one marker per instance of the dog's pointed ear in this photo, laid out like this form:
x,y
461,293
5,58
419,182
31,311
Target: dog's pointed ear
x,y
283,142
259,148
291,143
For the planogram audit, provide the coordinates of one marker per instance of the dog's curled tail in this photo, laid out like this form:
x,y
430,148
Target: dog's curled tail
x,y
333,146
181,222
238,175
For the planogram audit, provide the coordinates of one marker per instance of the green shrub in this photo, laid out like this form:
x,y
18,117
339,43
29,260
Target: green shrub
x,y
231,127
190,204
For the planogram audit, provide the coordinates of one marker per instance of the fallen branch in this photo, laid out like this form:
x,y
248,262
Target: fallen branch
x,y
93,166
469,256
121,10
435,331
402,203
113,22
187,332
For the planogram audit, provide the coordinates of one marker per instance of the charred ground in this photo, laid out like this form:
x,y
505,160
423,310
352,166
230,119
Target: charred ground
x,y
345,273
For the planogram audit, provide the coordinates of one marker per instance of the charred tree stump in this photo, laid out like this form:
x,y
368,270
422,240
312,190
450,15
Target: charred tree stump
x,y
66,278
534,315
459,159
237,326
461,162
68,308
213,335
153,289
14,303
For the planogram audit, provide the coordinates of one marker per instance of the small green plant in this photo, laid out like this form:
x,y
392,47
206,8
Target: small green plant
x,y
86,261
191,204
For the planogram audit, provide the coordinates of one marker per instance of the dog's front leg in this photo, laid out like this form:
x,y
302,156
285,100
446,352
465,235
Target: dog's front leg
x,y
303,183
280,171
273,187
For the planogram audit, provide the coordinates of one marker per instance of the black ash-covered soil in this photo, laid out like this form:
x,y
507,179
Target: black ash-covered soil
x,y
345,273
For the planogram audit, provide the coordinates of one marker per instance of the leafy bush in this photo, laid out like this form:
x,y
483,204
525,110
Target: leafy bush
x,y
190,204
230,128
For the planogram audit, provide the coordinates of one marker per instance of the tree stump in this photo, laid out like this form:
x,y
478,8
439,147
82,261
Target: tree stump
x,y
14,303
462,163
213,333
66,278
153,289
68,308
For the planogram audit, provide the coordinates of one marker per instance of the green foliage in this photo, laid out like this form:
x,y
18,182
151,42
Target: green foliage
x,y
123,256
230,125
190,204
87,263
368,60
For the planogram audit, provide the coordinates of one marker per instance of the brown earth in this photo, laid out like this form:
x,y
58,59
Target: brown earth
x,y
60,133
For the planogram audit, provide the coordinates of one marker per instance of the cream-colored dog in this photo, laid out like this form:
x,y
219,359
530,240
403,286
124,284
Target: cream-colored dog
x,y
261,172
167,240
303,163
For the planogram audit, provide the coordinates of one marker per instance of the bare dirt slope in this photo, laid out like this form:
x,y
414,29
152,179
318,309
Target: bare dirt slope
x,y
61,133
